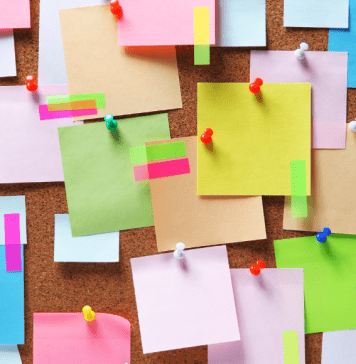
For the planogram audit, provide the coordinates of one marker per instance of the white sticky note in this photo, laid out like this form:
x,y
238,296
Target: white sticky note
x,y
7,53
100,248
9,354
339,347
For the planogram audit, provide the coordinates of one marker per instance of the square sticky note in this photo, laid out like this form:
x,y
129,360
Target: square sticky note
x,y
134,81
185,302
7,51
255,137
327,73
329,279
101,190
338,347
15,14
272,302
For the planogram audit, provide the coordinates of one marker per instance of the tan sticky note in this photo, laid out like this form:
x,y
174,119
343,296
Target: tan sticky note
x,y
73,105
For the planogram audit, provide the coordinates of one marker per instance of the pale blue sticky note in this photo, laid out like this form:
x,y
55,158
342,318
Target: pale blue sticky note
x,y
339,347
241,23
12,323
13,205
316,13
9,354
100,248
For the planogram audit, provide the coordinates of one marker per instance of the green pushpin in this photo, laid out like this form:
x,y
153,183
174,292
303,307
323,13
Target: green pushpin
x,y
111,124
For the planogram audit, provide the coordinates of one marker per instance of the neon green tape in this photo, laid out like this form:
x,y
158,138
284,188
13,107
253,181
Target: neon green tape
x,y
201,54
158,151
291,347
99,97
298,182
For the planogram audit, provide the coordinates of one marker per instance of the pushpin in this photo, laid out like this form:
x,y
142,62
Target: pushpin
x,y
206,137
255,269
352,125
299,53
89,315
111,124
255,87
31,83
321,237
179,252
116,8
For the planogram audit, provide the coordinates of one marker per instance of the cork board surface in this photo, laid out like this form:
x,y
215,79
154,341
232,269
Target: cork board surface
x,y
67,287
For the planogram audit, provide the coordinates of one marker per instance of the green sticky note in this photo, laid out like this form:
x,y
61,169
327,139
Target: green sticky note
x,y
201,54
298,175
157,152
329,279
101,191
99,97
291,347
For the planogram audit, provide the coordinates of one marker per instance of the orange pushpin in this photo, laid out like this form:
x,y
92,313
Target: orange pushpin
x,y
255,87
116,8
89,315
31,83
255,269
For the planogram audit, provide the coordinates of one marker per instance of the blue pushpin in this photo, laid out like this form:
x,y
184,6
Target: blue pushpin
x,y
111,124
321,237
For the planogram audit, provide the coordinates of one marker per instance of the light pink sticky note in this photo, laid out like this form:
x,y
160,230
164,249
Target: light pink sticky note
x,y
266,306
12,243
46,114
327,73
67,338
15,14
187,302
161,22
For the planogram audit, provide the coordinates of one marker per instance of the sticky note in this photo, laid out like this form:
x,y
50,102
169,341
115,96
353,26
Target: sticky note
x,y
99,177
327,74
45,114
7,51
267,306
179,298
201,36
329,279
291,347
298,189
98,97
12,243
15,14
9,354
338,347
107,339
253,143
74,105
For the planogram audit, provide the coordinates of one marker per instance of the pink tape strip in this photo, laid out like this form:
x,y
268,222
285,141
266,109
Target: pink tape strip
x,y
45,114
162,169
12,243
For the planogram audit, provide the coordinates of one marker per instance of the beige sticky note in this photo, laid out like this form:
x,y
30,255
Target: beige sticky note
x,y
332,202
180,215
133,82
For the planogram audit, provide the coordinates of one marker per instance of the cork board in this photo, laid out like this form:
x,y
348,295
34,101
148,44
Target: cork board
x,y
67,287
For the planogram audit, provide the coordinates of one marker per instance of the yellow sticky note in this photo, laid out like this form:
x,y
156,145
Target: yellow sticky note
x,y
255,137
201,26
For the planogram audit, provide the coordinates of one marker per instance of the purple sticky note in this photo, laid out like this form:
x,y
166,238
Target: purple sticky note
x,y
12,243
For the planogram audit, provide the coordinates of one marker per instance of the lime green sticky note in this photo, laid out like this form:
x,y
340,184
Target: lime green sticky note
x,y
99,97
329,279
101,191
201,36
290,347
299,204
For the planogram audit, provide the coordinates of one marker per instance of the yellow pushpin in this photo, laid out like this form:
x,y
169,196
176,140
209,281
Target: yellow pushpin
x,y
89,315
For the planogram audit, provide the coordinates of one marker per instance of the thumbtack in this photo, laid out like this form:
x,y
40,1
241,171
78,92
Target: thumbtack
x,y
321,237
89,315
352,125
206,137
116,8
255,269
299,53
179,252
255,87
31,83
111,124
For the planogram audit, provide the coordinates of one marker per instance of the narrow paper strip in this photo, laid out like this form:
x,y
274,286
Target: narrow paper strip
x,y
298,183
12,243
74,105
201,36
161,169
98,97
45,114
291,347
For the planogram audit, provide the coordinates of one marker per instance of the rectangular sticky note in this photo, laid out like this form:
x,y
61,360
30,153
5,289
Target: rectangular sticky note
x,y
45,114
9,354
291,347
98,97
298,188
338,347
74,105
252,144
7,51
12,243
201,36
15,14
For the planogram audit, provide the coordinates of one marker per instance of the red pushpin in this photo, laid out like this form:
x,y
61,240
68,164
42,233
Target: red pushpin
x,y
255,87
206,137
31,83
116,8
255,269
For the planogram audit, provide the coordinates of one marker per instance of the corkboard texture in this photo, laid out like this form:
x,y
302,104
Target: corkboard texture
x,y
67,287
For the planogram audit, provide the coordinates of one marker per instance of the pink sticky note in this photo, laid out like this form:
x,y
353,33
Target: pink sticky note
x,y
46,114
187,302
12,243
15,14
67,338
266,306
161,22
327,73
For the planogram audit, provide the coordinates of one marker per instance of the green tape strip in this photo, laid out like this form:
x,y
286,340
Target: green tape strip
x,y
298,182
201,54
157,151
99,97
290,347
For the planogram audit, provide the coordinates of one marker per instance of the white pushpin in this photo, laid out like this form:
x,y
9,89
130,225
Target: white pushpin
x,y
179,252
299,53
352,126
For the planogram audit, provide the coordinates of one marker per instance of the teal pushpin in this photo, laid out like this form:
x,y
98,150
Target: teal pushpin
x,y
111,124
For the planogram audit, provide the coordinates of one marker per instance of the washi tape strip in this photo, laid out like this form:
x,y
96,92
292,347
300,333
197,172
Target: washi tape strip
x,y
299,204
201,36
291,347
45,114
98,97
74,105
12,243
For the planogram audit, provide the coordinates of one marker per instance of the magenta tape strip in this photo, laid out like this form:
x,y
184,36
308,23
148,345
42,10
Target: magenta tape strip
x,y
161,169
45,114
12,243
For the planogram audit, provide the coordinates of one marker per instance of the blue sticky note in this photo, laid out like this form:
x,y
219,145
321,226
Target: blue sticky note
x,y
339,347
100,248
12,326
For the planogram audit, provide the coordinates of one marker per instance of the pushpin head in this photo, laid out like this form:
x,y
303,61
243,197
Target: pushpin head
x,y
206,137
111,124
31,83
255,87
321,237
179,252
299,53
89,315
352,126
116,8
255,269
